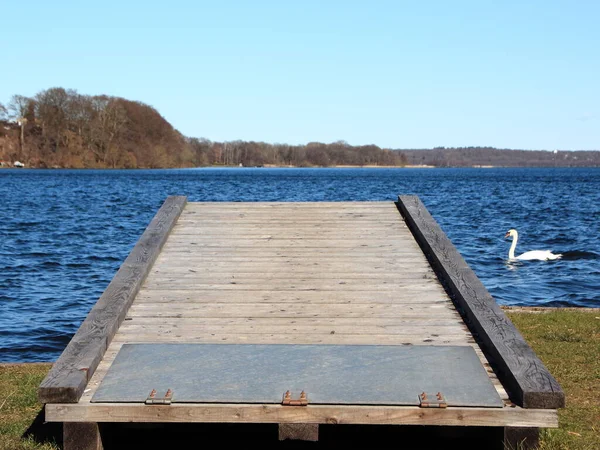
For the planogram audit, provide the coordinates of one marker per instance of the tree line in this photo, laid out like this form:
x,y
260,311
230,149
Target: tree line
x,y
489,156
62,128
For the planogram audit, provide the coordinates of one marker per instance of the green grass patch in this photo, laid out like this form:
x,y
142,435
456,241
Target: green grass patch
x,y
568,342
19,406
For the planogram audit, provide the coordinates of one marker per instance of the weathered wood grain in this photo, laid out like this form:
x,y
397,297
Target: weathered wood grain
x,y
299,431
67,378
282,297
300,339
200,243
81,436
215,413
244,310
526,378
297,285
207,276
277,256
272,265
434,321
133,328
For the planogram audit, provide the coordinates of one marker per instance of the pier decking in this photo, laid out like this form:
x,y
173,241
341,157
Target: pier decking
x,y
338,274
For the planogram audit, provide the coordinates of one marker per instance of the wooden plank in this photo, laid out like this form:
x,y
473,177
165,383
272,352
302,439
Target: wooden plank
x,y
200,322
275,227
240,206
304,314
288,310
290,296
282,229
237,230
301,224
81,436
172,268
268,274
289,217
203,275
327,254
286,219
523,374
297,285
332,339
223,413
309,280
132,328
299,432
273,274
276,259
67,379
447,330
297,256
197,297
200,241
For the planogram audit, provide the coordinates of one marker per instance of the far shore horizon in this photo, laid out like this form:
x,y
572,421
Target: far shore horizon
x,y
276,166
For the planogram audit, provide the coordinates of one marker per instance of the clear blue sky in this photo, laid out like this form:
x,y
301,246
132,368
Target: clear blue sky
x,y
400,74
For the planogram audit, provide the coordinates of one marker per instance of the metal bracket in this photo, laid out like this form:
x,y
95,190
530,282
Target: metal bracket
x,y
288,401
166,400
437,401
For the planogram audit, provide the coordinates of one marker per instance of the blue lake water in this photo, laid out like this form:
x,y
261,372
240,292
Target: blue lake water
x,y
64,233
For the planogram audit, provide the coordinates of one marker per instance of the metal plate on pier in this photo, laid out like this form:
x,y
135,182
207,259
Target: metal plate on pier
x,y
329,374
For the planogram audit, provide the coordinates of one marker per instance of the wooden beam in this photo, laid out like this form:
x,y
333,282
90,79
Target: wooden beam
x,y
81,436
519,369
324,414
521,438
69,375
299,432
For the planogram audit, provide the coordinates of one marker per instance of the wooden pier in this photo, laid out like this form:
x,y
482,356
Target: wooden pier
x,y
336,274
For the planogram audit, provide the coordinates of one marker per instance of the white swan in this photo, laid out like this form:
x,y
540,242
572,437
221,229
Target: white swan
x,y
542,255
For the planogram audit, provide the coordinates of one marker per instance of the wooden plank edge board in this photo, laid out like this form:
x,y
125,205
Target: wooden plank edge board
x,y
527,380
67,379
326,414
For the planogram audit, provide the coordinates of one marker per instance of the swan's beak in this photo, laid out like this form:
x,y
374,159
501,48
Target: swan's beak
x,y
507,235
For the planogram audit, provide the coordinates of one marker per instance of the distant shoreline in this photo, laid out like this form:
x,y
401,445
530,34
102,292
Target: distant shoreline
x,y
275,166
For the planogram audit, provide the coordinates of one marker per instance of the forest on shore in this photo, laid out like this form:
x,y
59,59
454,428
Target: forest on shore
x,y
60,128
494,157
64,129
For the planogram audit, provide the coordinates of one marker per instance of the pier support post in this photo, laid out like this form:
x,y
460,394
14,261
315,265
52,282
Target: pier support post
x,y
521,438
299,431
81,436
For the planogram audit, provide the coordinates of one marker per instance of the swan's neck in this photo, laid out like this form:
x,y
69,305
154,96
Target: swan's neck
x,y
511,252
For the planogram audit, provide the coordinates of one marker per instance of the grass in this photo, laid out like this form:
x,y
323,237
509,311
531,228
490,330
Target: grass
x,y
19,406
568,342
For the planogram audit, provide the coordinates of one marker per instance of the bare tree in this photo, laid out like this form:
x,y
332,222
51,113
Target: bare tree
x,y
17,106
79,113
110,119
17,111
3,112
51,111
